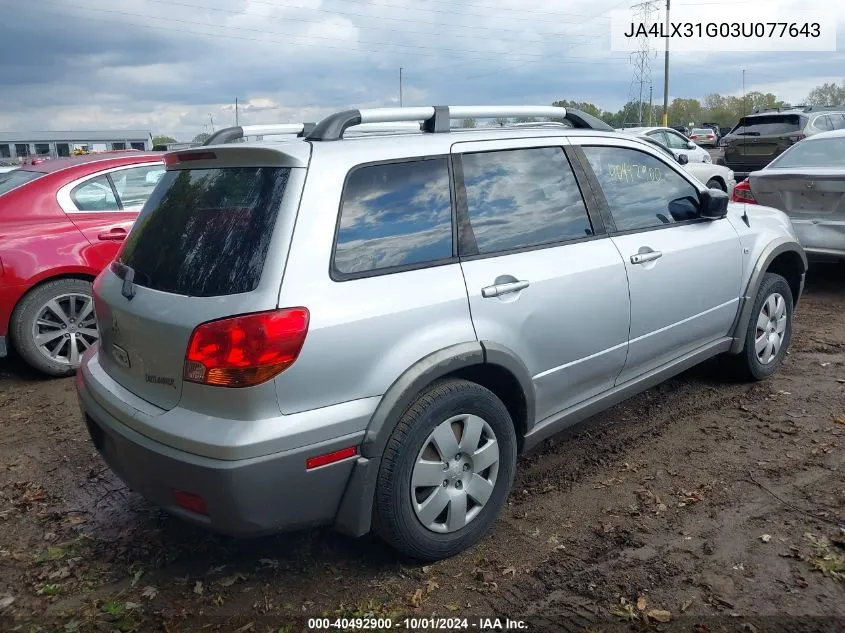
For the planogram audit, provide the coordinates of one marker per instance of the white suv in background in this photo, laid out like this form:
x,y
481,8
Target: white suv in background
x,y
675,141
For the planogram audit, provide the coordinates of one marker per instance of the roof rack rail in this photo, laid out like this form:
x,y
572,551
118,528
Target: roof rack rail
x,y
229,134
437,119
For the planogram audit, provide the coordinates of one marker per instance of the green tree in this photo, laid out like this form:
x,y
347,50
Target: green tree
x,y
684,111
828,94
163,140
468,123
201,138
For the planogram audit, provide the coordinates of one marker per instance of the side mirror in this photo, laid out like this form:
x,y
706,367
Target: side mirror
x,y
690,145
714,204
683,159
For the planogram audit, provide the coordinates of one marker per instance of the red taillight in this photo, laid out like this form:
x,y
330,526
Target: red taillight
x,y
330,458
246,350
191,502
799,136
170,159
742,193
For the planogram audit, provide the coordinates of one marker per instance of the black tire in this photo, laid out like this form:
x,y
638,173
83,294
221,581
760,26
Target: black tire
x,y
746,366
25,314
394,518
715,183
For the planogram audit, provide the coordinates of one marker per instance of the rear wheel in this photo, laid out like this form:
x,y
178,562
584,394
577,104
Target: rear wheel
x,y
769,331
446,471
54,324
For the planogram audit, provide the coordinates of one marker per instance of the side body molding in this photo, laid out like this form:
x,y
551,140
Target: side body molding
x,y
354,516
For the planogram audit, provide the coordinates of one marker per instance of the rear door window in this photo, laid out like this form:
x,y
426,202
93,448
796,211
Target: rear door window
x,y
523,198
393,216
768,125
676,141
205,232
823,123
134,186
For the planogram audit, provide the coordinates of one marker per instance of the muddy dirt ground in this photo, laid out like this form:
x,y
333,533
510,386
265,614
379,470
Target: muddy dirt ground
x,y
718,506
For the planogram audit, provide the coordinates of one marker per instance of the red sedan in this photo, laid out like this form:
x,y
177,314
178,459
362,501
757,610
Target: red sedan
x,y
61,222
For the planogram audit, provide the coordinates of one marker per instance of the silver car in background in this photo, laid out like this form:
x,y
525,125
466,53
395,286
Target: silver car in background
x,y
807,182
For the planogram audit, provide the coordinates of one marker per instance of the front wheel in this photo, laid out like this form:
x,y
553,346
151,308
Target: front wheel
x,y
769,331
446,471
54,324
714,183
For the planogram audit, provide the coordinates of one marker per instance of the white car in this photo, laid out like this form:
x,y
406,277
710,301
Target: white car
x,y
712,175
675,141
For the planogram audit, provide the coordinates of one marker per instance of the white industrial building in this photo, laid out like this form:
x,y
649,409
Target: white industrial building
x,y
56,144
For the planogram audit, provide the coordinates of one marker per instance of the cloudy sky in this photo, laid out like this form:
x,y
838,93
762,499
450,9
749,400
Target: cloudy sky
x,y
171,66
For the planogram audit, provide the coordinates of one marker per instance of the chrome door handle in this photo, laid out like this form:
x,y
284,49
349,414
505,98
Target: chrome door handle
x,y
498,290
642,258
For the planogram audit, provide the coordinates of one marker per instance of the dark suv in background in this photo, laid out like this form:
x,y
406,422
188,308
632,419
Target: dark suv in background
x,y
764,135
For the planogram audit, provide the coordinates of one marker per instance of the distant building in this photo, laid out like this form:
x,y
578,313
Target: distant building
x,y
57,144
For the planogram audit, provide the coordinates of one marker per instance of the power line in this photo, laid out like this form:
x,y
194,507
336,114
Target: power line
x,y
451,13
359,26
295,35
641,58
520,65
486,55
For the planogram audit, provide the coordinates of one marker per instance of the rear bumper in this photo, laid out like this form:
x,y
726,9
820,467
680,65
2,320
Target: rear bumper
x,y
244,497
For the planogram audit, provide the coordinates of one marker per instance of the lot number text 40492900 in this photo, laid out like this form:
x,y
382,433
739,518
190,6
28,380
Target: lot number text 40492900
x,y
418,624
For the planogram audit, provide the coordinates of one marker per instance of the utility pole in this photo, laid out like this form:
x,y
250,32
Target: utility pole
x,y
666,73
641,59
400,86
210,118
236,112
744,104
650,106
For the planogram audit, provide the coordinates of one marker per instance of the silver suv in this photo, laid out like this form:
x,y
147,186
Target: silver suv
x,y
365,329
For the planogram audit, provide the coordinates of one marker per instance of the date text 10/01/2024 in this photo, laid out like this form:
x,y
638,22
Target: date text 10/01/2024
x,y
418,624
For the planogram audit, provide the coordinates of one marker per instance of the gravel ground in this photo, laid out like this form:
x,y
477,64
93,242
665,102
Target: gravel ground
x,y
714,505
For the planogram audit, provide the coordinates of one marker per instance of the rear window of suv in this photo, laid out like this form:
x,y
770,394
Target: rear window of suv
x,y
205,232
768,125
15,178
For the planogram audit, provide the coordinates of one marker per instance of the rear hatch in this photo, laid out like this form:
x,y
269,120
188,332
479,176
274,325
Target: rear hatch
x,y
206,245
757,140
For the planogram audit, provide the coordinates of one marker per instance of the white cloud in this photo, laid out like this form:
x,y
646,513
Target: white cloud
x,y
168,65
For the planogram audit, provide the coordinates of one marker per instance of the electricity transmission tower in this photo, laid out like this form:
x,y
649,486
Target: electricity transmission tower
x,y
641,58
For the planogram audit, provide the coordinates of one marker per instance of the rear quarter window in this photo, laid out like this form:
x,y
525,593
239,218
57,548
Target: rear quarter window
x,y
394,216
206,232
